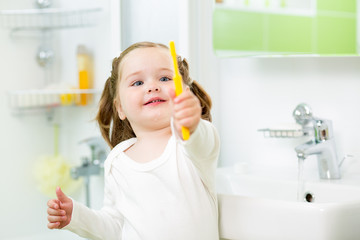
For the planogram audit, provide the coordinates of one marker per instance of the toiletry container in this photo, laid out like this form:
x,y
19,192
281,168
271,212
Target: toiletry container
x,y
85,68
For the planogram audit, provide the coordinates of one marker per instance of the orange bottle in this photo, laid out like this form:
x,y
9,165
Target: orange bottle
x,y
85,68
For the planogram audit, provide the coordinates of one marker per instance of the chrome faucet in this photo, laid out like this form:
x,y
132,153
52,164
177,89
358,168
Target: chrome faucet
x,y
322,145
93,165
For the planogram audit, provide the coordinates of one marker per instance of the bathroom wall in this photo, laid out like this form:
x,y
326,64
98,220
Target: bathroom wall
x,y
22,139
139,23
263,92
26,137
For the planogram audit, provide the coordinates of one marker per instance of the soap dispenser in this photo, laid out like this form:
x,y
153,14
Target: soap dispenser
x,y
85,68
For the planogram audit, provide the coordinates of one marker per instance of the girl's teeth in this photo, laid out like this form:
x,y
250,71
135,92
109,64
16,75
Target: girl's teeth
x,y
154,101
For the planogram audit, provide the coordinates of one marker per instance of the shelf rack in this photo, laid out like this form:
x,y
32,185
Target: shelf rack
x,y
47,18
282,133
22,100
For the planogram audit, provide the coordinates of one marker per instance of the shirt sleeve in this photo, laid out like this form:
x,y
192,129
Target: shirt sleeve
x,y
106,223
203,148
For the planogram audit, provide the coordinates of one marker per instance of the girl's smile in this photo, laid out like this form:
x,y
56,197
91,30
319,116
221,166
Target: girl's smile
x,y
154,101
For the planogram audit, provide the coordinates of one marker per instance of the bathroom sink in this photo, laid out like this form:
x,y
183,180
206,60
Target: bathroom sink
x,y
255,207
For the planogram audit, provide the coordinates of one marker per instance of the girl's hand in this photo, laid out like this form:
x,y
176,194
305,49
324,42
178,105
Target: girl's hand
x,y
59,210
187,110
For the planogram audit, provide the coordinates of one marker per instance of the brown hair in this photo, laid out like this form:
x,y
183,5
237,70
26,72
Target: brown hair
x,y
113,129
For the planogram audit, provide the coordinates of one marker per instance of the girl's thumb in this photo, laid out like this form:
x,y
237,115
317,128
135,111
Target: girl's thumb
x,y
60,195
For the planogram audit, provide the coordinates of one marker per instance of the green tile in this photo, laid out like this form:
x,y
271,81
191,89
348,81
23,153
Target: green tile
x,y
237,30
290,33
337,5
336,35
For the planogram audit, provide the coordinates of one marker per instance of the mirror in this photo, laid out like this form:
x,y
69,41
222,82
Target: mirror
x,y
285,27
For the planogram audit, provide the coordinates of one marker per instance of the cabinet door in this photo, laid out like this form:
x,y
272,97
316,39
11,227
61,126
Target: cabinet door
x,y
253,27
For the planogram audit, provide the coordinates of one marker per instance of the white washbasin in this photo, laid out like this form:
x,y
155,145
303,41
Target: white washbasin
x,y
253,207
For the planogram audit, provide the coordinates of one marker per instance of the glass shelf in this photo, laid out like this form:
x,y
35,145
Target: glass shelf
x,y
48,18
35,99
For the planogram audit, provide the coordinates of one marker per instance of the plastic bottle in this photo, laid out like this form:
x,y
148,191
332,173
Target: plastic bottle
x,y
85,68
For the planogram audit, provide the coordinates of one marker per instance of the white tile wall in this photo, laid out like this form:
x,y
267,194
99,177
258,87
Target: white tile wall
x,y
262,92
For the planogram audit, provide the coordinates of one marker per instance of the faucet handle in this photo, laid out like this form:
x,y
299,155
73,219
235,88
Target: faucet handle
x,y
303,114
98,147
93,142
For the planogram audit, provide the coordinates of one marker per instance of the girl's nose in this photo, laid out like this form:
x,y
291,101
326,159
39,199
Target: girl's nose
x,y
153,88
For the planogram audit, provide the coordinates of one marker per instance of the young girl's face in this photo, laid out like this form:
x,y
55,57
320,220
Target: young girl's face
x,y
143,92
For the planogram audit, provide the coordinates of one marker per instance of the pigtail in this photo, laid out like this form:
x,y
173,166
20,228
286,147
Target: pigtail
x,y
196,88
205,100
121,131
106,112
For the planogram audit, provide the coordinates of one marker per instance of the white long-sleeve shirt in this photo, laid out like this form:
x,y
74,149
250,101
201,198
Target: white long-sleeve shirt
x,y
169,198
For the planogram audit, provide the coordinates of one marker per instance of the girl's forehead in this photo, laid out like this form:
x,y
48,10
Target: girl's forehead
x,y
148,54
141,58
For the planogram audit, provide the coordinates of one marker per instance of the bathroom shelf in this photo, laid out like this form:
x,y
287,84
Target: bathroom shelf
x,y
282,133
47,18
35,99
42,21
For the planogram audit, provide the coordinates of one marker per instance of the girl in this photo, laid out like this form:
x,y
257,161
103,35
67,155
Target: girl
x,y
157,186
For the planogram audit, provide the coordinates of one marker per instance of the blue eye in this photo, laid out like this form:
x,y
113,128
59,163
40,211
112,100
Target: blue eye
x,y
164,79
137,83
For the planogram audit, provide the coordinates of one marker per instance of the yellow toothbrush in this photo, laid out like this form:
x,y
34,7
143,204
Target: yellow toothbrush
x,y
178,85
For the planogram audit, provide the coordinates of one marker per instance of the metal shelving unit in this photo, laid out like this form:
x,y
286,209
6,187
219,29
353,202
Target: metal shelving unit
x,y
47,18
44,20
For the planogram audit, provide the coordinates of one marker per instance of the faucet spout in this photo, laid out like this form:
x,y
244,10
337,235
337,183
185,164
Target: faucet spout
x,y
326,156
323,146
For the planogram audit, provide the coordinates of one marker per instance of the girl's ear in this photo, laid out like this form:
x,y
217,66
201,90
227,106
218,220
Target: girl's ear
x,y
122,116
119,110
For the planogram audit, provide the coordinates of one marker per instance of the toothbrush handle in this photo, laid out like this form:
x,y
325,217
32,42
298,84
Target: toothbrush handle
x,y
185,133
178,85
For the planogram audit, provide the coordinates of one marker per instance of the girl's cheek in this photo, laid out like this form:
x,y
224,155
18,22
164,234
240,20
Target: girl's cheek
x,y
171,93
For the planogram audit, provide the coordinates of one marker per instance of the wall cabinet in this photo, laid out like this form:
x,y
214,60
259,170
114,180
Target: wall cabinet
x,y
255,27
